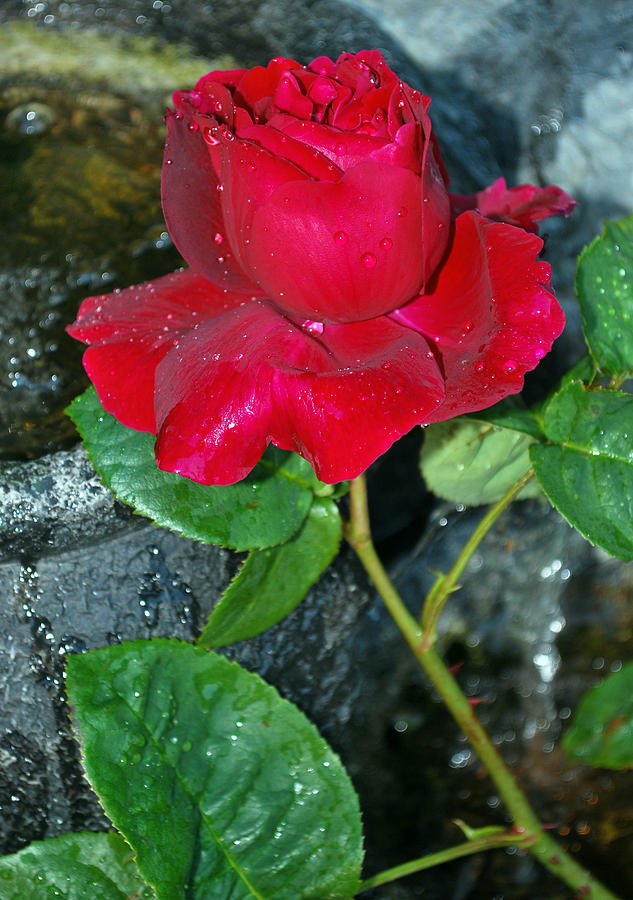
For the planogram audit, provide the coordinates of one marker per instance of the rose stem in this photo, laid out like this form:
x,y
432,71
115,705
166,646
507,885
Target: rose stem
x,y
526,824
446,584
497,838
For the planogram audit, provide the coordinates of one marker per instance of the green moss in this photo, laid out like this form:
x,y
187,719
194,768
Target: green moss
x,y
125,63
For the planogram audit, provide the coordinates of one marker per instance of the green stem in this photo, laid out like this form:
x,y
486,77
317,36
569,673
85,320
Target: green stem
x,y
526,823
446,584
501,838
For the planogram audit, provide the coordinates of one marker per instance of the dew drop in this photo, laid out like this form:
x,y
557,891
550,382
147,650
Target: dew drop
x,y
218,238
251,167
341,149
509,367
386,365
429,354
386,243
368,260
178,115
312,327
169,162
192,126
467,326
479,367
402,211
340,237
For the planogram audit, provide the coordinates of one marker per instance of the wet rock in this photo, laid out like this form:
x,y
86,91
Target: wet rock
x,y
140,582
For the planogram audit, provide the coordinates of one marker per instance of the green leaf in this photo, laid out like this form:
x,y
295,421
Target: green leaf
x,y
471,462
273,581
223,789
587,470
602,731
604,286
263,510
73,867
511,414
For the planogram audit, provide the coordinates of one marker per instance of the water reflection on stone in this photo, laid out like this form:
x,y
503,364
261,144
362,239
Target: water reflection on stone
x,y
529,633
80,187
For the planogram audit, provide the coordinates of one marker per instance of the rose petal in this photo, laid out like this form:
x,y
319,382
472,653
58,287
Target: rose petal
x,y
228,77
289,98
436,207
250,175
256,88
524,205
130,331
490,314
342,251
307,158
250,377
343,149
191,203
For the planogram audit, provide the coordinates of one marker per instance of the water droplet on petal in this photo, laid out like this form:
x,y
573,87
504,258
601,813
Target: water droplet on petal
x,y
251,167
403,211
467,326
509,367
312,327
368,260
340,237
386,243
218,238
192,126
169,162
386,365
430,354
479,367
341,149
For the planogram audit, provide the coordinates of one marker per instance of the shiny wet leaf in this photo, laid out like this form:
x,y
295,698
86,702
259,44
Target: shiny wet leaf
x,y
263,510
472,462
272,582
602,730
73,867
587,468
222,788
604,285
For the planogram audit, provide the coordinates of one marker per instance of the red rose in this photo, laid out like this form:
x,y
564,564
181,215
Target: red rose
x,y
334,300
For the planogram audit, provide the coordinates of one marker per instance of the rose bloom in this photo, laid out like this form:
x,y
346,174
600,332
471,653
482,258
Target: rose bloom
x,y
336,294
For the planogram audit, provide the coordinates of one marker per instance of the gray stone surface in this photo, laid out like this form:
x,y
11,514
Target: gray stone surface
x,y
136,583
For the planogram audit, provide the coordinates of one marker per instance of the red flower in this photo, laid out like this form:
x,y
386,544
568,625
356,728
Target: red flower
x,y
524,205
334,301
